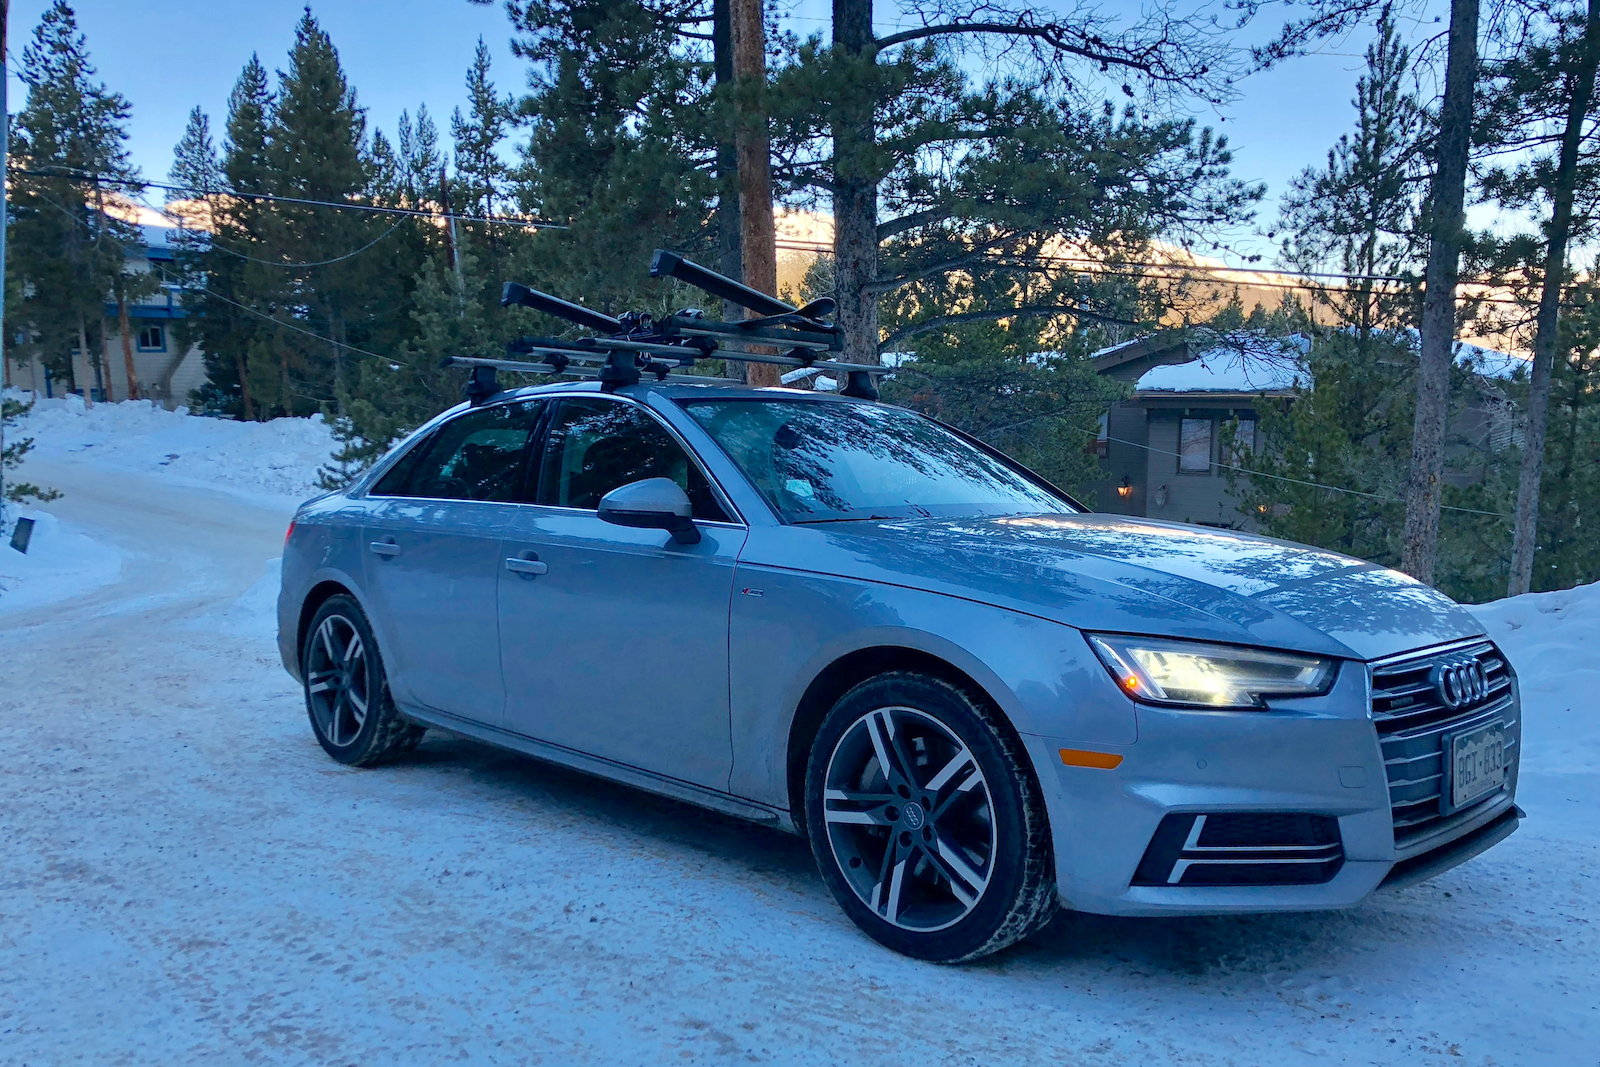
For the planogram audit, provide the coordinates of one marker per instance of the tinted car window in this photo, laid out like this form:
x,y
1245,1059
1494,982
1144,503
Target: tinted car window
x,y
395,479
477,456
817,461
595,445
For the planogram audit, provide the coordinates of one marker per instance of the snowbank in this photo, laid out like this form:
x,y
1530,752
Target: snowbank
x,y
278,458
61,563
1553,640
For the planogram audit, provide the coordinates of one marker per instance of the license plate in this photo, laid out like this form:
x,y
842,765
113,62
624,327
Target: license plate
x,y
1477,764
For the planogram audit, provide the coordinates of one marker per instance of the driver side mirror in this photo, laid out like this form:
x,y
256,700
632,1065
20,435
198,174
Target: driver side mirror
x,y
652,504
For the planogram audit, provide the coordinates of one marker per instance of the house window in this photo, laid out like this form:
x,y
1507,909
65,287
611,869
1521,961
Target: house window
x,y
1194,446
153,339
1244,441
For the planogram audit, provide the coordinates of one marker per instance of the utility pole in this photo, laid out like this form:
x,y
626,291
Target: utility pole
x,y
451,247
758,241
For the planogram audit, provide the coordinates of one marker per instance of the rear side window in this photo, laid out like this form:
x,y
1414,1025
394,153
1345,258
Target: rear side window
x,y
393,482
477,456
595,445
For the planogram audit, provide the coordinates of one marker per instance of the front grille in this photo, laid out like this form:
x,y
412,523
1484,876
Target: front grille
x,y
1239,848
1411,720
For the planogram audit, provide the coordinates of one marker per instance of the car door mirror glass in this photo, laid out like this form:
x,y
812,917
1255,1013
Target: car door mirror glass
x,y
653,504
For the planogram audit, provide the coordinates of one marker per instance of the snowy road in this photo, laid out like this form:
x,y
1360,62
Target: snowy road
x,y
186,878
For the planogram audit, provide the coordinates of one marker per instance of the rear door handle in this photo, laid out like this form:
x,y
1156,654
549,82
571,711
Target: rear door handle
x,y
384,548
527,564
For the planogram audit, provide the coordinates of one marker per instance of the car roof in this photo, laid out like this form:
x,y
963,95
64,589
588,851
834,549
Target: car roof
x,y
680,390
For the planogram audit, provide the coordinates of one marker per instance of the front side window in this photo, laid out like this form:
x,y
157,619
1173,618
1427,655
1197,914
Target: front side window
x,y
1194,446
153,339
822,461
477,456
596,445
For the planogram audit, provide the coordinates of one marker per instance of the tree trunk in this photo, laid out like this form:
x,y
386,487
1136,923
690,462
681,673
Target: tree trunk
x,y
94,364
855,192
1420,541
728,261
247,407
1524,539
106,391
127,345
758,249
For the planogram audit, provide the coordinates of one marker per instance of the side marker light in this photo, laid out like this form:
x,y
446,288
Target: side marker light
x,y
1078,757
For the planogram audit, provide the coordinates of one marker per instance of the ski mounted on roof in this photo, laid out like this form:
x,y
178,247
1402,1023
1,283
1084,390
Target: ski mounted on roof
x,y
626,348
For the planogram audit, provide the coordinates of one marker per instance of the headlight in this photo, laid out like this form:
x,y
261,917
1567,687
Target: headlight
x,y
1190,673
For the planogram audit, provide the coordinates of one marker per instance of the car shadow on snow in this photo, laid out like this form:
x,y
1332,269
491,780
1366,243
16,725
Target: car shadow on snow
x,y
1183,948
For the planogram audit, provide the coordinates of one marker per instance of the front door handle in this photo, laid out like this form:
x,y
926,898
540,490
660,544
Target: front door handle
x,y
384,548
526,565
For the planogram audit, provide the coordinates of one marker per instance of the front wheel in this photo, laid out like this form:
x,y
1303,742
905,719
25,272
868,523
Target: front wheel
x,y
347,693
926,821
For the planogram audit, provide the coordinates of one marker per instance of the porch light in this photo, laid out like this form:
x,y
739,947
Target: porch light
x,y
1126,488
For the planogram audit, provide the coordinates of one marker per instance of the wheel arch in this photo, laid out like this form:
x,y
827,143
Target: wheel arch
x,y
845,673
319,595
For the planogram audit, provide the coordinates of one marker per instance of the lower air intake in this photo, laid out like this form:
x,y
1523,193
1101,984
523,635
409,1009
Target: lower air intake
x,y
1239,848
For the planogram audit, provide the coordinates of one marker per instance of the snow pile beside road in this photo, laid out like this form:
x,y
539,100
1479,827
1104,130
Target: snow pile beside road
x,y
277,458
60,563
1553,640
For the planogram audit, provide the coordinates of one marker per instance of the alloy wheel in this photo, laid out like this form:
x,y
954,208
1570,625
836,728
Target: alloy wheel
x,y
910,819
336,680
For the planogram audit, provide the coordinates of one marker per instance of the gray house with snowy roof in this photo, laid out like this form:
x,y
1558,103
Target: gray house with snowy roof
x,y
1163,448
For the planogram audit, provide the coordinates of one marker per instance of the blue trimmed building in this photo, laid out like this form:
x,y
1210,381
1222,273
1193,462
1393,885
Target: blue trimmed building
x,y
166,372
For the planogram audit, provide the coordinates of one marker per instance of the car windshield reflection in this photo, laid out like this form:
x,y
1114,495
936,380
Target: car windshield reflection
x,y
821,461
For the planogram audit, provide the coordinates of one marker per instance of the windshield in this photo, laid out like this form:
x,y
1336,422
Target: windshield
x,y
826,462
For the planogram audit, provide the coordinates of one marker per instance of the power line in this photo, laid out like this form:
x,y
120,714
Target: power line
x,y
68,172
219,246
289,326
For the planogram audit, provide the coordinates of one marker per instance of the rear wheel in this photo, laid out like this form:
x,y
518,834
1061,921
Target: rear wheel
x,y
926,821
347,693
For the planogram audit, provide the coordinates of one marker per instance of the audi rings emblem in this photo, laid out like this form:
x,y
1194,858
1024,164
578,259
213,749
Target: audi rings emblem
x,y
1460,682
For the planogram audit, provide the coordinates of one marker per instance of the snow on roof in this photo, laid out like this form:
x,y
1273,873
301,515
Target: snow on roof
x,y
1117,348
1490,363
1240,363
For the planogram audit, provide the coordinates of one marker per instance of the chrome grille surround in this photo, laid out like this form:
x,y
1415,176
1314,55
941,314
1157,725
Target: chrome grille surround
x,y
1411,717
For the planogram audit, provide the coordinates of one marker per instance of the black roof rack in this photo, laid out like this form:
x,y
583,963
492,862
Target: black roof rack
x,y
627,348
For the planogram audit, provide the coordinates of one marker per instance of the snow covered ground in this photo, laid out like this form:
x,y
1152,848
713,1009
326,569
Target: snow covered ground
x,y
185,877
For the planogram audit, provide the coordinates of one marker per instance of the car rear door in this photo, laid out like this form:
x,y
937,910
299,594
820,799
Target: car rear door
x,y
615,640
433,561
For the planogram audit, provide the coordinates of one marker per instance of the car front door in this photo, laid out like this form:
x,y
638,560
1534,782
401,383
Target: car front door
x,y
433,560
615,640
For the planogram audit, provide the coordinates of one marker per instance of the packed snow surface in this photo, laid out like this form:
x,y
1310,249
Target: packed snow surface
x,y
60,563
187,878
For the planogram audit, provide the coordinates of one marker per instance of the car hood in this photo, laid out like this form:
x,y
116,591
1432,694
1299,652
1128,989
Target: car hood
x,y
1131,575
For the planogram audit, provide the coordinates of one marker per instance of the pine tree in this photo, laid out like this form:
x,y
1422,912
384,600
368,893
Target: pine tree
x,y
315,152
1359,215
65,250
1542,110
480,172
222,281
621,146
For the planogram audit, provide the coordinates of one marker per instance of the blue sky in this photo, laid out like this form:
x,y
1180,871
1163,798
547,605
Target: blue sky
x,y
168,55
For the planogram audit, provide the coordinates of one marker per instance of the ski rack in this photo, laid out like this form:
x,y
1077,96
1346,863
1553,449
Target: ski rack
x,y
633,345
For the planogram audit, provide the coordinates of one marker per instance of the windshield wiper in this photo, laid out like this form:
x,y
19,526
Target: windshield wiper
x,y
847,518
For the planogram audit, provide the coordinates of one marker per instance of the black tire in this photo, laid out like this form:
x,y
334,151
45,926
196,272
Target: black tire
x,y
964,853
347,691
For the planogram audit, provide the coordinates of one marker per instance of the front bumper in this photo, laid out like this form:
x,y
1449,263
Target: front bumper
x,y
1317,756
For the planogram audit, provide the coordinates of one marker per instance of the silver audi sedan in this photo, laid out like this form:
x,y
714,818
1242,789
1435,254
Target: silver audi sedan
x,y
976,699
